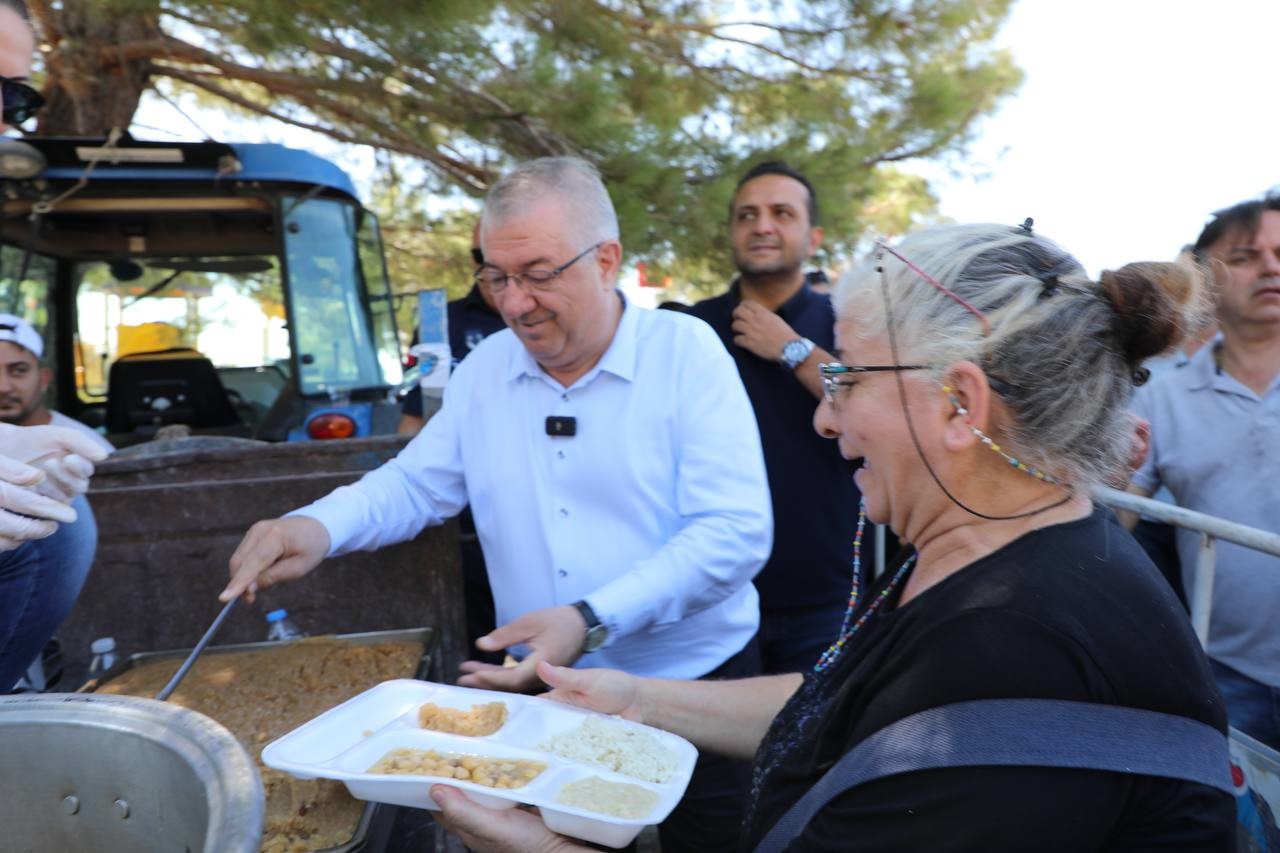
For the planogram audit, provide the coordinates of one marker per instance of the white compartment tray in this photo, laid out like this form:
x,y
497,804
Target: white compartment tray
x,y
343,742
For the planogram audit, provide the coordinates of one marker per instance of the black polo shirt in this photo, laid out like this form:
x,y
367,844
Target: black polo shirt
x,y
471,320
815,502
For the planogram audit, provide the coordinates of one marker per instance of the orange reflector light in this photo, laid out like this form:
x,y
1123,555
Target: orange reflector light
x,y
331,425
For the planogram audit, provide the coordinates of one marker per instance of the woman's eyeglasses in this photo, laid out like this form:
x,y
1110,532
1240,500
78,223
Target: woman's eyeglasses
x,y
21,100
836,375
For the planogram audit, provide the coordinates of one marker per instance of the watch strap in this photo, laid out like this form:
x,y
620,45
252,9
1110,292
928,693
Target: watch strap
x,y
596,632
588,615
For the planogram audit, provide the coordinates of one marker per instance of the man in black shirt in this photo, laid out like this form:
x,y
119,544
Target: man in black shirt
x,y
472,318
778,330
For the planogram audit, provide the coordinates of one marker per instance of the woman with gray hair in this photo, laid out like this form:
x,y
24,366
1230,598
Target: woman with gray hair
x,y
1022,679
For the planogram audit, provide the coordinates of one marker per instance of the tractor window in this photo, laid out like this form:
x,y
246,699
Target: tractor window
x,y
381,306
336,339
228,309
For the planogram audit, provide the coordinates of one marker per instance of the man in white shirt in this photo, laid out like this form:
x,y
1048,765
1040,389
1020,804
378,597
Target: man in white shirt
x,y
24,381
611,460
44,578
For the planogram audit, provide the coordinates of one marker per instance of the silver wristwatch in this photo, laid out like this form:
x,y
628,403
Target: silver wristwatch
x,y
596,633
795,352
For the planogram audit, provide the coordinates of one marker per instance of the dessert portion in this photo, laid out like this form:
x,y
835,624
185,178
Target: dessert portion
x,y
618,799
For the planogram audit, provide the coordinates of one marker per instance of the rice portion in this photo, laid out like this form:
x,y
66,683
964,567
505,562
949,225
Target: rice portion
x,y
619,799
616,746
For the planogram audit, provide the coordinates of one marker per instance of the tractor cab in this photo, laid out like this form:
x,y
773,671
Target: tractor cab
x,y
238,290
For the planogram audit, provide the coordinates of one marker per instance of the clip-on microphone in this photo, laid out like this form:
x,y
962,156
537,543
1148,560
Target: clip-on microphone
x,y
562,427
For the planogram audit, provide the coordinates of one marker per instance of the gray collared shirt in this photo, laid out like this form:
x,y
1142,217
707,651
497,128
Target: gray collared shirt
x,y
1214,444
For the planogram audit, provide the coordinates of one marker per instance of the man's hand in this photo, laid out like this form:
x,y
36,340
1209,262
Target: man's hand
x,y
1139,448
759,330
484,830
608,691
282,549
25,515
553,634
66,477
29,444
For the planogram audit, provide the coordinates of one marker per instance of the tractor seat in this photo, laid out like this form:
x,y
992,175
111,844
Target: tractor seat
x,y
148,390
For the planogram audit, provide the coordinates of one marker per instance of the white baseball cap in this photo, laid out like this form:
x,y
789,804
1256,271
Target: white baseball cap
x,y
18,330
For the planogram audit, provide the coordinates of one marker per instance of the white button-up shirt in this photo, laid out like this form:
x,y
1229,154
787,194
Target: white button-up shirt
x,y
656,512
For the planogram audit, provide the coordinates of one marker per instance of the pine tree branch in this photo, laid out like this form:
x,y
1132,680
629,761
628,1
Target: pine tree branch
x,y
471,177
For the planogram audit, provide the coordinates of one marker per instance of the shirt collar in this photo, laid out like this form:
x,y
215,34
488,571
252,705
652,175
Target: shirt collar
x,y
789,309
1202,369
619,359
1205,373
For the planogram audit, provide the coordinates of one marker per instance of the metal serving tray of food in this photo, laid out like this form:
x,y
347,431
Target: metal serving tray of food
x,y
370,823
594,777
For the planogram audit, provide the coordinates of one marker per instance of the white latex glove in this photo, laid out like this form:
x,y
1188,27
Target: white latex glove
x,y
27,444
18,473
26,454
66,477
26,515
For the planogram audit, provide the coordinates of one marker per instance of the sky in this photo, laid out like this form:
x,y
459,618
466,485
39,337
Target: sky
x,y
1136,119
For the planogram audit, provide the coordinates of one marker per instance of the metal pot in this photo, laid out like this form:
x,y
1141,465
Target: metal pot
x,y
83,772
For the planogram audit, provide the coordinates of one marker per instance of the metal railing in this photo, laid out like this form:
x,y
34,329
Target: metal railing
x,y
1211,528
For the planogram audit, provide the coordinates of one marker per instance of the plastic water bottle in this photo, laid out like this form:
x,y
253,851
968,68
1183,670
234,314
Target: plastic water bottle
x,y
279,626
104,656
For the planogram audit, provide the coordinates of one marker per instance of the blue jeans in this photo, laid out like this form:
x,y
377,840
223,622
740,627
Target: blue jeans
x,y
39,583
1252,707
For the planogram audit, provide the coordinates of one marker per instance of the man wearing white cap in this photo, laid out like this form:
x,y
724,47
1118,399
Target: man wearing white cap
x,y
23,381
40,580
34,587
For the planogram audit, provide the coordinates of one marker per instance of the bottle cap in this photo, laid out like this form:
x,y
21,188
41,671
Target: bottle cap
x,y
277,615
102,645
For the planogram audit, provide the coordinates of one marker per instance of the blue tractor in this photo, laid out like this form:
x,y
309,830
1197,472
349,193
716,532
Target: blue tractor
x,y
235,289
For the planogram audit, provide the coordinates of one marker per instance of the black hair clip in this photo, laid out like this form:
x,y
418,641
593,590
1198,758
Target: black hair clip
x,y
1140,376
1048,285
1025,227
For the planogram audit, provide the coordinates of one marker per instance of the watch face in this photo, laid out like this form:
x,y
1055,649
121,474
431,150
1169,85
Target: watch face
x,y
795,352
596,635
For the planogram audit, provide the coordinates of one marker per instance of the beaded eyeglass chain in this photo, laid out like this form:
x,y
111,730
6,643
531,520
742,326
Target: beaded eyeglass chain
x,y
986,439
846,630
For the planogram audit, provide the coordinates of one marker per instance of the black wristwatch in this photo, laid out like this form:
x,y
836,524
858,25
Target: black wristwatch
x,y
597,633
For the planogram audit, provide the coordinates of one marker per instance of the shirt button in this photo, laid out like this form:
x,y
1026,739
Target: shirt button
x,y
564,513
559,454
562,573
564,397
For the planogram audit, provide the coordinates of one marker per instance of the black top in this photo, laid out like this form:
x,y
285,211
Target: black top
x,y
1076,612
471,320
815,502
